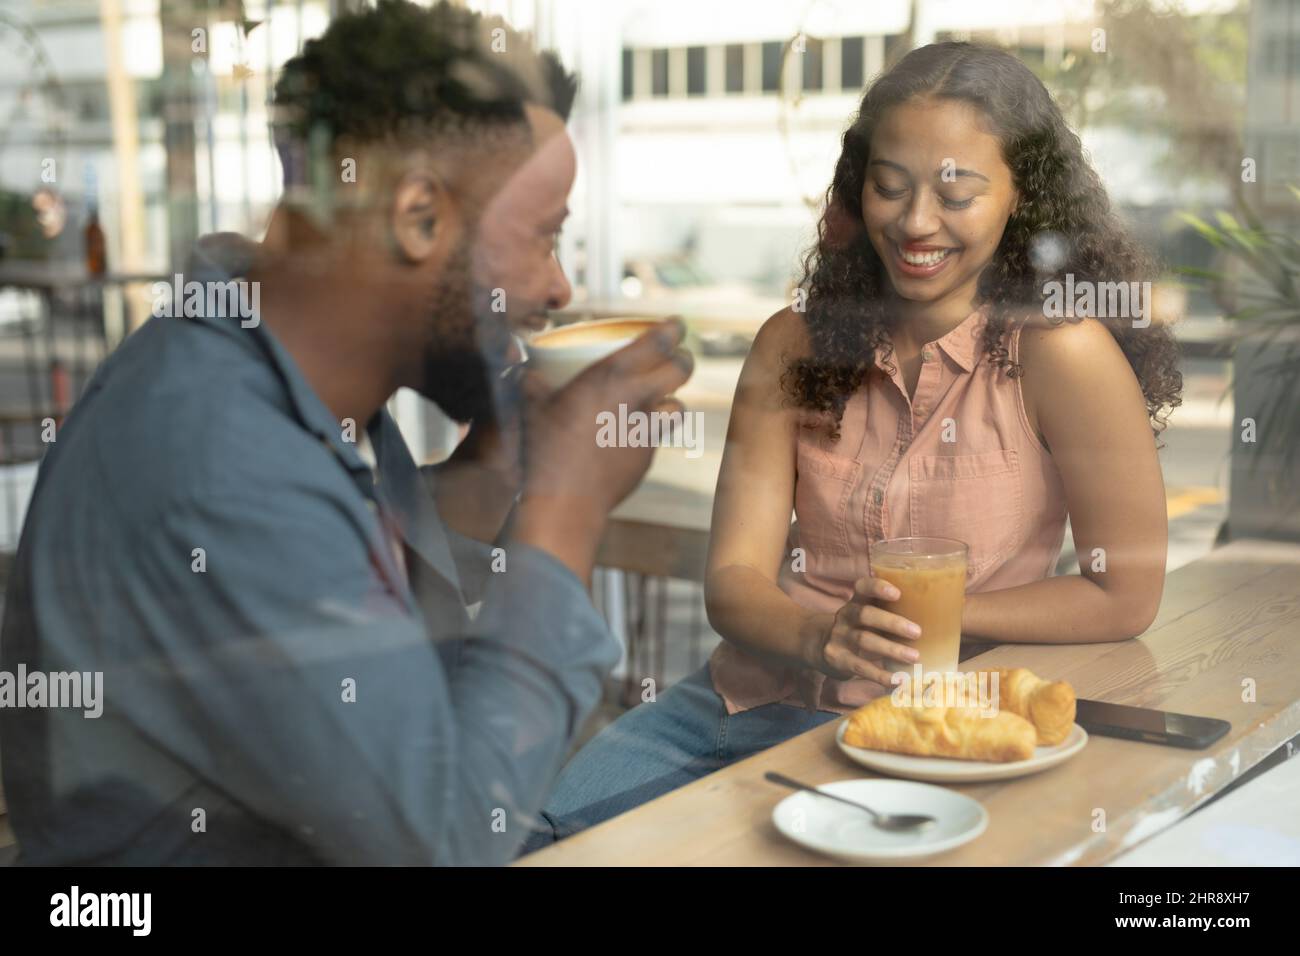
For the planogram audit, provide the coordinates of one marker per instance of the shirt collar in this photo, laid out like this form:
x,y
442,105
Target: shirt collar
x,y
225,257
964,344
404,491
396,481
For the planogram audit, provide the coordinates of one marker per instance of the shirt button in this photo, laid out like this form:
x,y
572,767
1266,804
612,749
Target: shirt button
x,y
927,355
879,496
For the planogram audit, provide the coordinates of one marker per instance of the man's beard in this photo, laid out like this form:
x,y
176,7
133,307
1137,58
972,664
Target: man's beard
x,y
464,363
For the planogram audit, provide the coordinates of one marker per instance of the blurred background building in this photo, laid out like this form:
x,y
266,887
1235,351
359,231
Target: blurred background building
x,y
708,130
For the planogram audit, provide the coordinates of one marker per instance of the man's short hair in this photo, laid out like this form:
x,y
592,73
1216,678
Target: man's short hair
x,y
401,73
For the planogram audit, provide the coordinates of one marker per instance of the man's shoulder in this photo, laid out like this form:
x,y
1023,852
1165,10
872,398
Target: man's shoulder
x,y
181,412
202,455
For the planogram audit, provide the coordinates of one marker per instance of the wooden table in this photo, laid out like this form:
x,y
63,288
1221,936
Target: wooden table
x,y
1230,617
661,530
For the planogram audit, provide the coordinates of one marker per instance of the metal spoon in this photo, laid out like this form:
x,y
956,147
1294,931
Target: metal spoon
x,y
894,822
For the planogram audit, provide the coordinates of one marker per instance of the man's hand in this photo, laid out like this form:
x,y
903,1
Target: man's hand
x,y
492,443
475,488
570,484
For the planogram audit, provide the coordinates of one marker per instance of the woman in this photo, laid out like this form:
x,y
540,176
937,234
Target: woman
x,y
921,389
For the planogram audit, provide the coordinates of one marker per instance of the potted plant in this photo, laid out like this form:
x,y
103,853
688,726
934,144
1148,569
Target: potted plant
x,y
1260,290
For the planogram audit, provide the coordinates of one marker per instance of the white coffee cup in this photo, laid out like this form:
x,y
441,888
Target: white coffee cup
x,y
558,355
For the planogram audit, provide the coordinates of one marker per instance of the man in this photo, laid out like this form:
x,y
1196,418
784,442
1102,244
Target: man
x,y
292,672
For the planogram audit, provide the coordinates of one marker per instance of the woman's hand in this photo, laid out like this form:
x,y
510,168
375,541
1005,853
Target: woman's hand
x,y
861,636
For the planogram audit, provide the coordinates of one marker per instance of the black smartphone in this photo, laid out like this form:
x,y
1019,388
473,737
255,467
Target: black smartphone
x,y
1152,726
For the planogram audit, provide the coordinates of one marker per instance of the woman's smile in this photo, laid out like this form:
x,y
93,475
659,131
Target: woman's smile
x,y
917,261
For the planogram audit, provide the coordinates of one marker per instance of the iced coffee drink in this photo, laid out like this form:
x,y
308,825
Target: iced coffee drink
x,y
931,575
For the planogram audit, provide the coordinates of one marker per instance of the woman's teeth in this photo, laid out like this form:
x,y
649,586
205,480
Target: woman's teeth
x,y
924,258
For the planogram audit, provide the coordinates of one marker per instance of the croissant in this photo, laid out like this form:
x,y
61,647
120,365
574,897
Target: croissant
x,y
962,732
1048,705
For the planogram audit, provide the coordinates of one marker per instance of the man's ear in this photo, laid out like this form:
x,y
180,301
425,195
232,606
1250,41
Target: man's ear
x,y
421,216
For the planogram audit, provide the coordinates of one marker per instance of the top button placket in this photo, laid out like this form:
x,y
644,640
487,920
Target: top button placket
x,y
875,509
927,384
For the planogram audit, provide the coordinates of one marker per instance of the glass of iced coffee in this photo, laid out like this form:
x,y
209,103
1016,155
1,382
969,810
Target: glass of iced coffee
x,y
930,573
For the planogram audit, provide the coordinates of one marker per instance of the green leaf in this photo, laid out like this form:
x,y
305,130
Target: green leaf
x,y
1207,231
1201,273
1227,222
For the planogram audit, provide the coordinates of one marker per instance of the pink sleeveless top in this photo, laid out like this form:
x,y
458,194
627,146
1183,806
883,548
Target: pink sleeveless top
x,y
958,461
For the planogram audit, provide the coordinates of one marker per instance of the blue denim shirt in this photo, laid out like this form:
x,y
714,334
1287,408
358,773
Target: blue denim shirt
x,y
286,694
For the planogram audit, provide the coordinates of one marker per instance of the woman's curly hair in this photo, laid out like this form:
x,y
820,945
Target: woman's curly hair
x,y
1063,224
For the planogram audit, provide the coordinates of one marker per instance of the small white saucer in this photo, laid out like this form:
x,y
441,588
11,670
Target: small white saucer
x,y
829,827
951,770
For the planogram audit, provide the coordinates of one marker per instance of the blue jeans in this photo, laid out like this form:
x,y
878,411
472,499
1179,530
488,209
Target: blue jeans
x,y
659,746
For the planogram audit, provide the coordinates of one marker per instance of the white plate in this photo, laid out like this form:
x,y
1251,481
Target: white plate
x,y
848,834
951,770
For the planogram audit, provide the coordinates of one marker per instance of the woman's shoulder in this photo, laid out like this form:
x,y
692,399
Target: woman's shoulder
x,y
1074,350
1056,341
782,337
1065,365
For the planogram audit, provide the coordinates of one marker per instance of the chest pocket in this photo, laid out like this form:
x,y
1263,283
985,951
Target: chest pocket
x,y
977,499
823,482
